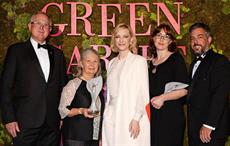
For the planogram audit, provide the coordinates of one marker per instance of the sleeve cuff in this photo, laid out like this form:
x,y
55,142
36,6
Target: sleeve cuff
x,y
209,127
64,113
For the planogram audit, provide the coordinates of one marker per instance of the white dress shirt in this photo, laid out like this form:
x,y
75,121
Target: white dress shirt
x,y
196,65
43,58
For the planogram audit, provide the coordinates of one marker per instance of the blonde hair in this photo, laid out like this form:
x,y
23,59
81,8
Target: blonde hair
x,y
120,26
84,53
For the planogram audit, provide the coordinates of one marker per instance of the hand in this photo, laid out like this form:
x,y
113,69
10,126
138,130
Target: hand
x,y
205,134
157,102
100,142
86,112
134,128
12,128
74,112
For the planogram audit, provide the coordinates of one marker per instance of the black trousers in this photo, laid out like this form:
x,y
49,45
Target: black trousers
x,y
41,136
213,142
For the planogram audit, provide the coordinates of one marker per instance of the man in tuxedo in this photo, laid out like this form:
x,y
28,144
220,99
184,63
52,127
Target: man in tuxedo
x,y
32,79
208,92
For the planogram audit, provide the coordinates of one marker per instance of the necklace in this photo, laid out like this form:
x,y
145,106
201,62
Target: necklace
x,y
154,70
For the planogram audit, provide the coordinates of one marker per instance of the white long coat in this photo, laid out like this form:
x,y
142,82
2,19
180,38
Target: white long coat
x,y
132,97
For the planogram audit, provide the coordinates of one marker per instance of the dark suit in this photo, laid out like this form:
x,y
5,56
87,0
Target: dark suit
x,y
208,98
25,95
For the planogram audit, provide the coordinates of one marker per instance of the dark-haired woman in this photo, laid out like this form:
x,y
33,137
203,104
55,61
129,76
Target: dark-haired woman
x,y
168,79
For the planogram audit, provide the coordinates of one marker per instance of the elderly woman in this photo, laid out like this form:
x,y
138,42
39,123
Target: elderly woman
x,y
125,119
80,97
168,79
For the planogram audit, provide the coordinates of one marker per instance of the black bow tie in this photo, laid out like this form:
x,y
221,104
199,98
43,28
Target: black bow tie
x,y
45,46
198,59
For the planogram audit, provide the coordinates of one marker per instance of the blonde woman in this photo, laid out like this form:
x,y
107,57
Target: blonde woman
x,y
125,119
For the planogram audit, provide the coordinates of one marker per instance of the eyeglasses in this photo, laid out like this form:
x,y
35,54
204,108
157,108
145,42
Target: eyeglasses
x,y
164,37
39,24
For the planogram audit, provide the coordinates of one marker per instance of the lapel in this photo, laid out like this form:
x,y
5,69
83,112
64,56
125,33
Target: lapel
x,y
190,68
51,58
126,69
35,61
191,81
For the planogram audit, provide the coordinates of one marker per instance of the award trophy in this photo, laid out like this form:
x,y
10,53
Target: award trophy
x,y
94,107
94,86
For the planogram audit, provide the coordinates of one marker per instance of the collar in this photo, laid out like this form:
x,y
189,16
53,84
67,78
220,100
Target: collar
x,y
200,57
34,43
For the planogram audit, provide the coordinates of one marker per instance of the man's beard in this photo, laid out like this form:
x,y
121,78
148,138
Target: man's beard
x,y
202,50
199,53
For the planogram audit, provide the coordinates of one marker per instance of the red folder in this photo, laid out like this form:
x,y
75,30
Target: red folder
x,y
147,108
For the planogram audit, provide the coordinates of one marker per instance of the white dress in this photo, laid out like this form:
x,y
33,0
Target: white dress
x,y
128,94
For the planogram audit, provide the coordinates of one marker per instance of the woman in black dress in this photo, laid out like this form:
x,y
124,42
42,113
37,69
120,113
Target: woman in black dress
x,y
166,67
79,98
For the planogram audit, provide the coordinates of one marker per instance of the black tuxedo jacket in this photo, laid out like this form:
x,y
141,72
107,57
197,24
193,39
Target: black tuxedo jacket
x,y
25,95
208,95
